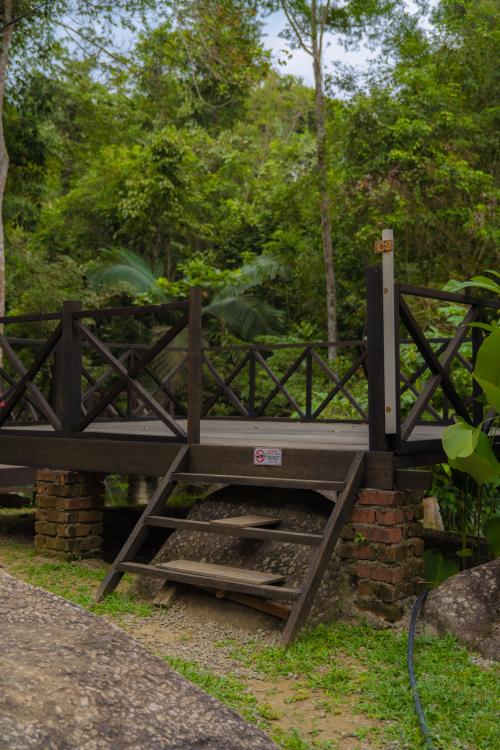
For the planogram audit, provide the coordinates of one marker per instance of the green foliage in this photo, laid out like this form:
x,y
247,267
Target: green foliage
x,y
195,149
234,295
492,534
487,369
438,567
469,448
126,268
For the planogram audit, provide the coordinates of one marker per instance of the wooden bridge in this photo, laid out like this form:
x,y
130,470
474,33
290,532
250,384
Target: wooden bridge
x,y
273,415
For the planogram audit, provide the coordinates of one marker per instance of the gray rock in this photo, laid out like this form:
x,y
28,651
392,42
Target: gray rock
x,y
468,606
299,511
72,681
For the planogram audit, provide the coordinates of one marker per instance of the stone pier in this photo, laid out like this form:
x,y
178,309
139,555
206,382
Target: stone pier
x,y
382,547
69,513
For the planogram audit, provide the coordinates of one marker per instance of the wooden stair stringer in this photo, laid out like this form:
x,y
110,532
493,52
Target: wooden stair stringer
x,y
322,555
141,530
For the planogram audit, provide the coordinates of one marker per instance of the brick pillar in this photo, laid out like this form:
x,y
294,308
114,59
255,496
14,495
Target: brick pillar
x,y
69,517
382,548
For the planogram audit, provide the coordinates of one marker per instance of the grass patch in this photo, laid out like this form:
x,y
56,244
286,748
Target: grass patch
x,y
235,694
30,509
459,697
75,581
228,689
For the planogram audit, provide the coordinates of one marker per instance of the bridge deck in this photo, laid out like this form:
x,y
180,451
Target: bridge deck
x,y
311,451
268,433
254,433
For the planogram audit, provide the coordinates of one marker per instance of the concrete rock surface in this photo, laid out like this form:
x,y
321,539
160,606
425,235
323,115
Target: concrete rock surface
x,y
69,680
468,606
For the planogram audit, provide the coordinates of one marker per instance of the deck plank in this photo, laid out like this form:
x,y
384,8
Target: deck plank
x,y
224,572
265,433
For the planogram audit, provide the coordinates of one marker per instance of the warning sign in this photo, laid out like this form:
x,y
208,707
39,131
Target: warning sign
x,y
267,456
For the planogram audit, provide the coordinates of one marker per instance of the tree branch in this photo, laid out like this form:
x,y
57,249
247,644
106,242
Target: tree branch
x,y
299,33
117,59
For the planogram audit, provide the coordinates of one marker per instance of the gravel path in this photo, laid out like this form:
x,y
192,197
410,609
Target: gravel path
x,y
183,631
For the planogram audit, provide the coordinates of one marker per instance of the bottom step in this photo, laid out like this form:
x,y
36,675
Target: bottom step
x,y
224,572
218,582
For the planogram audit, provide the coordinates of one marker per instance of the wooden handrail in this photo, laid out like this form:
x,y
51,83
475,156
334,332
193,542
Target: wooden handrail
x,y
439,294
132,310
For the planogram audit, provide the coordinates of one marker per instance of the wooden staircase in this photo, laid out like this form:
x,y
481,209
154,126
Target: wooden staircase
x,y
224,578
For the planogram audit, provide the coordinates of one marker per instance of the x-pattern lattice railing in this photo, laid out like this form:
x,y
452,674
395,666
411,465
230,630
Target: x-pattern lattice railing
x,y
75,377
69,357
300,384
432,387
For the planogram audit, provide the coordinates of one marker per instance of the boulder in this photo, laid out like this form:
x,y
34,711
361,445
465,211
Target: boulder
x,y
70,680
299,510
432,514
468,606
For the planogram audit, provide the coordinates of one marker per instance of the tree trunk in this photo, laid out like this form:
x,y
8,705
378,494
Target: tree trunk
x,y
4,156
322,171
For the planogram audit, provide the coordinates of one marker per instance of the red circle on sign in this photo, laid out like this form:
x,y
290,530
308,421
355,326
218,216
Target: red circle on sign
x,y
260,456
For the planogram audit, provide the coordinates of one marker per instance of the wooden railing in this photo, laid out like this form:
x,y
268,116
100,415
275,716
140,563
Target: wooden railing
x,y
441,385
395,379
275,381
48,390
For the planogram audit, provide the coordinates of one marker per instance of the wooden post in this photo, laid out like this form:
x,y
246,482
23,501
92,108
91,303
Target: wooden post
x,y
70,370
391,367
251,384
129,363
195,380
375,358
309,383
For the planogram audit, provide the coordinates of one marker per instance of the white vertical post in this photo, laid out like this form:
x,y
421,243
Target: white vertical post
x,y
389,332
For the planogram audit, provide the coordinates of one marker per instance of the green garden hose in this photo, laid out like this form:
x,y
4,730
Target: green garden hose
x,y
429,744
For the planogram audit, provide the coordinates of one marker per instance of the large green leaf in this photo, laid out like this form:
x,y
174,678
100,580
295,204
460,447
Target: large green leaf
x,y
482,464
487,369
460,440
480,282
246,315
492,393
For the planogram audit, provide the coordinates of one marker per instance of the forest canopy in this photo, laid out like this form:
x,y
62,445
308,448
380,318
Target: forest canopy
x,y
197,156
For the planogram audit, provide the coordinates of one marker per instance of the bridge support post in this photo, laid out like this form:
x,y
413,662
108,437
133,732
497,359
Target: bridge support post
x,y
382,548
69,513
69,371
195,365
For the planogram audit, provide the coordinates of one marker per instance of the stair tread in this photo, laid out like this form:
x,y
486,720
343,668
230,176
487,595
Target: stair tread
x,y
224,572
249,520
259,481
276,593
262,533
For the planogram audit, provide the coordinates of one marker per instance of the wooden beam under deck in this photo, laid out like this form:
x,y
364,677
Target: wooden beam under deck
x,y
314,453
151,457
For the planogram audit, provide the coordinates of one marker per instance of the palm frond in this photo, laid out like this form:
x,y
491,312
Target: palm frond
x,y
260,269
245,315
169,360
124,267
